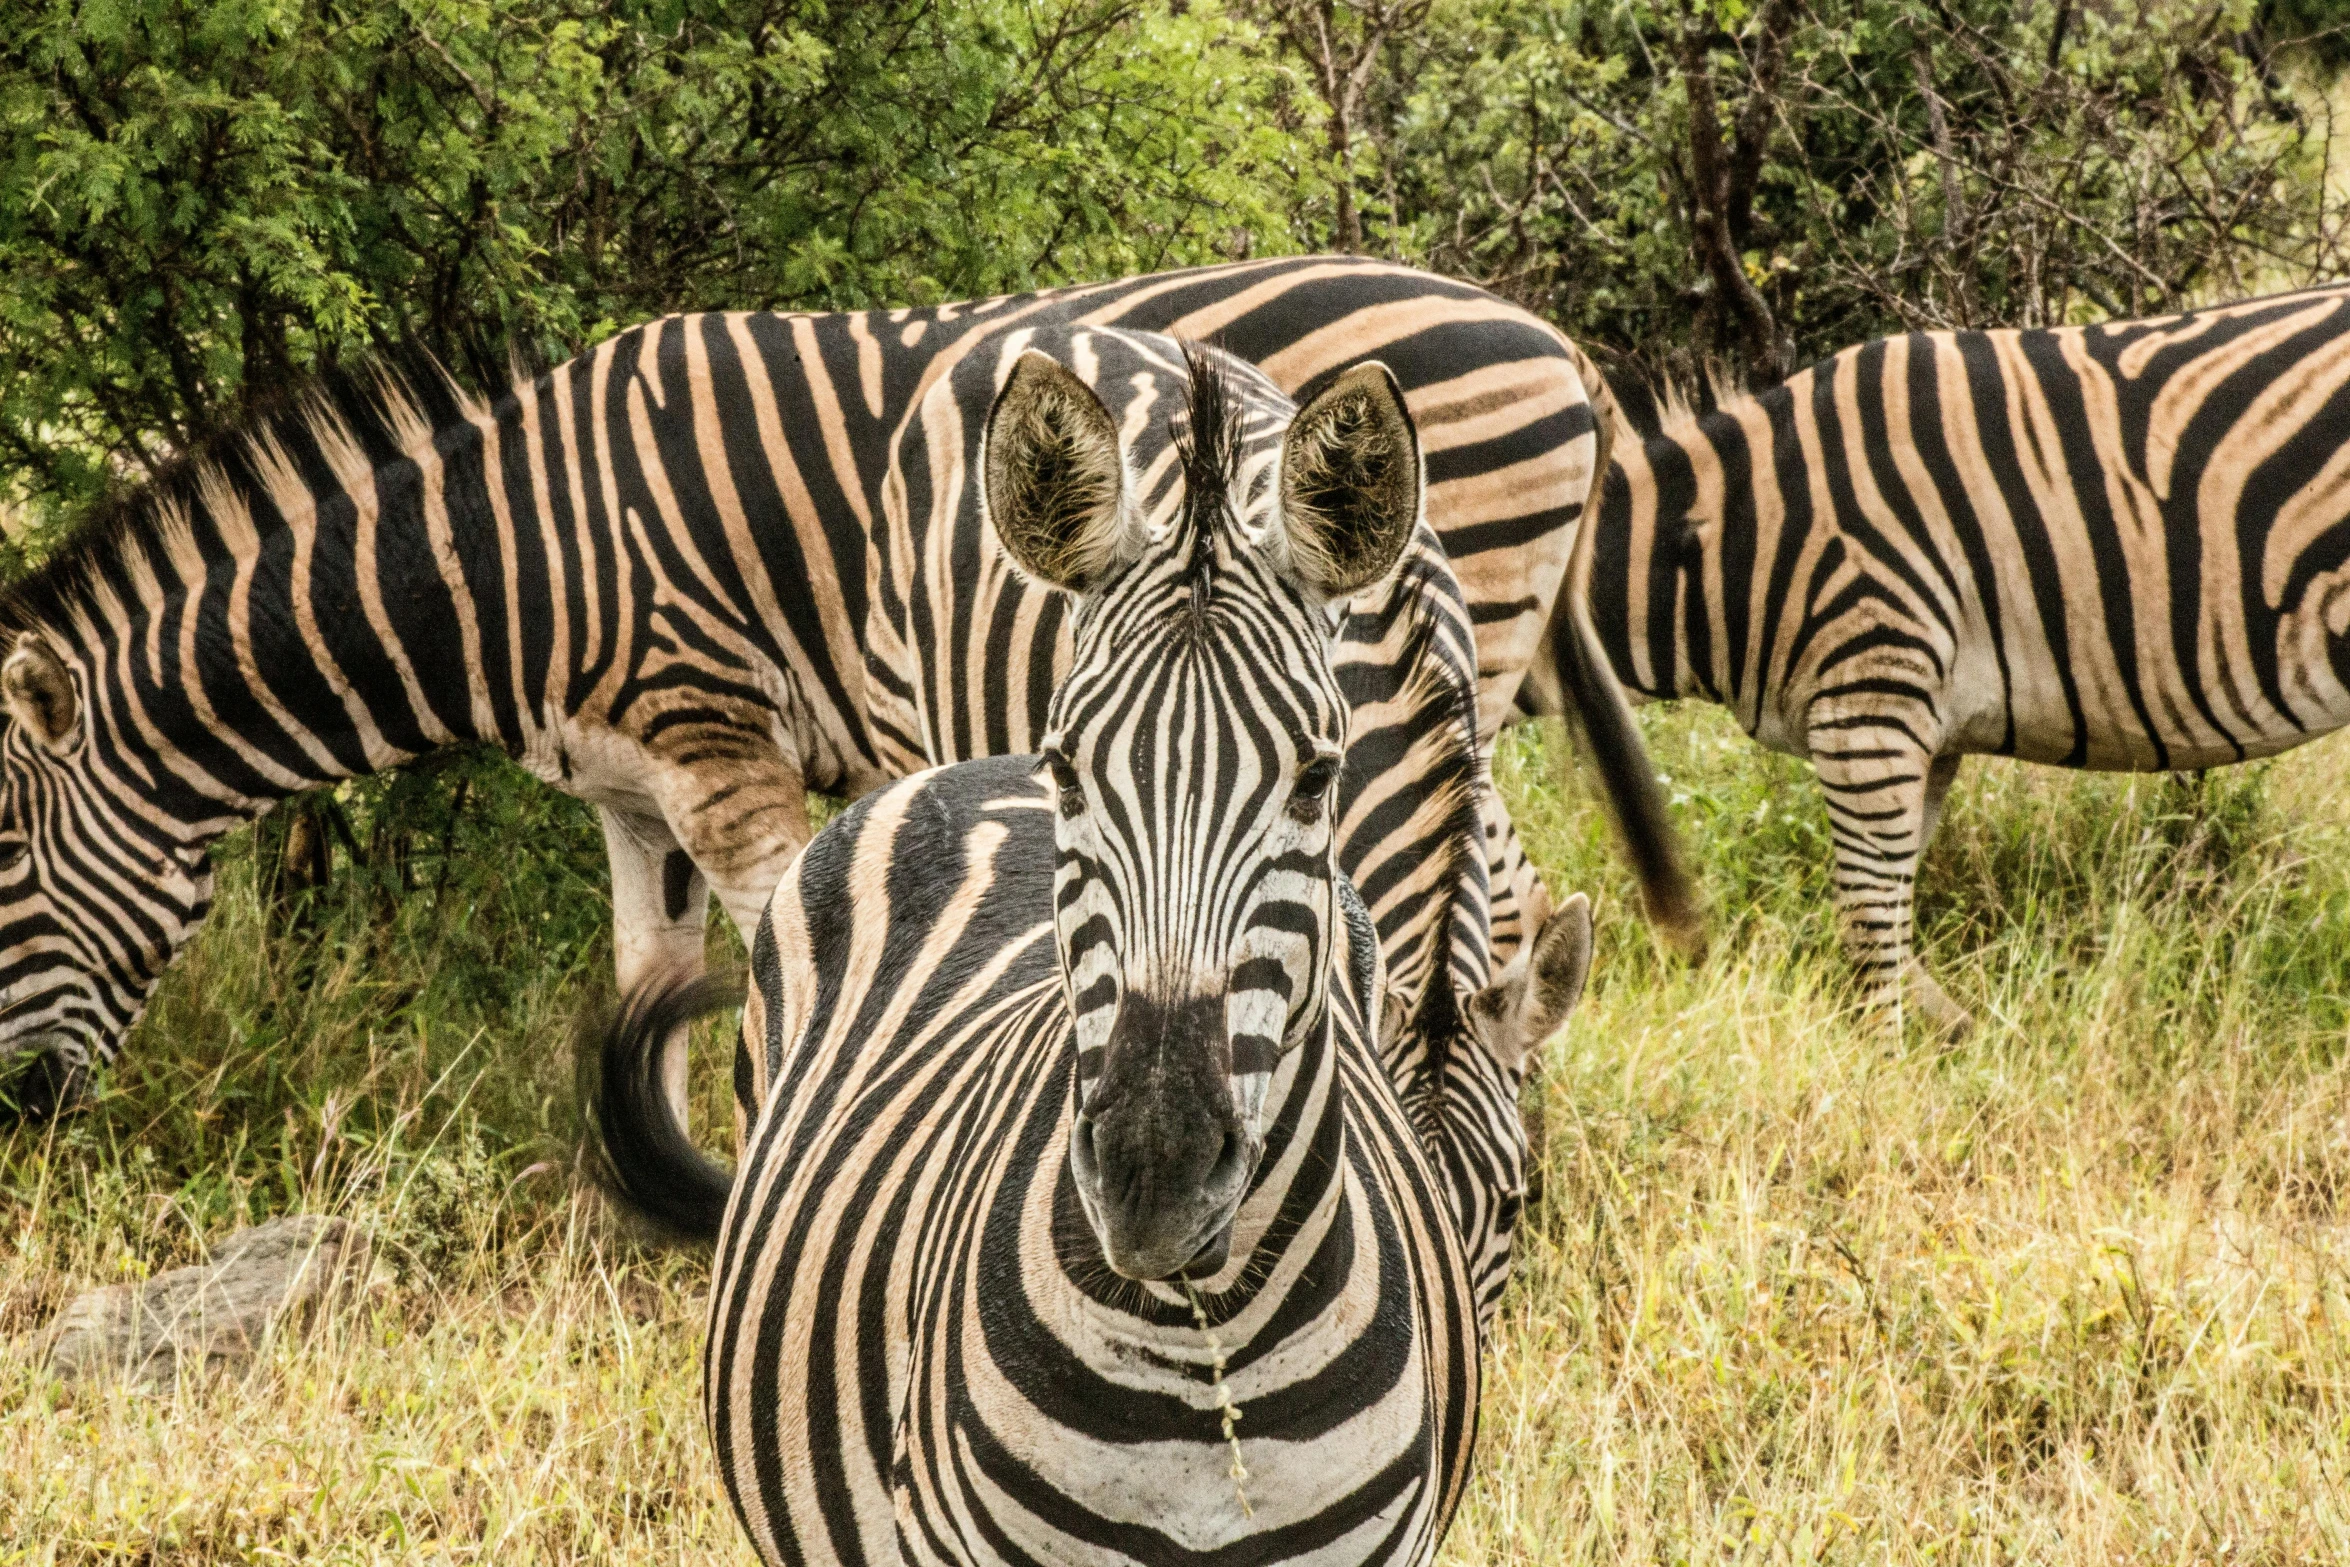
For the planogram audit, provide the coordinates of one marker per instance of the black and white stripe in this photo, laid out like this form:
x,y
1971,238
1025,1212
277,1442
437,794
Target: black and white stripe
x,y
917,1348
2120,547
678,577
1074,1131
1462,1015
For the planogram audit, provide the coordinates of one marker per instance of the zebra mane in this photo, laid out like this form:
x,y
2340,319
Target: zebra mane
x,y
1207,442
1441,711
1672,401
385,407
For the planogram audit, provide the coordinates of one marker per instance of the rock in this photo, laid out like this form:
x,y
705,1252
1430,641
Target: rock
x,y
213,1317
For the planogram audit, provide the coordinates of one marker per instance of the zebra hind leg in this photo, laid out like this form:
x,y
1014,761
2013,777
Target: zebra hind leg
x,y
1941,1013
1885,786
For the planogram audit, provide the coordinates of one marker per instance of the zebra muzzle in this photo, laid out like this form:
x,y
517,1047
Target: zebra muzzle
x,y
1155,1235
1159,1153
41,1076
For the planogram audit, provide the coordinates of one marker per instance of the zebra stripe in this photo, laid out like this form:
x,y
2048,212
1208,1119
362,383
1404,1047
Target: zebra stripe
x,y
916,1349
1413,800
668,577
1058,1163
2119,547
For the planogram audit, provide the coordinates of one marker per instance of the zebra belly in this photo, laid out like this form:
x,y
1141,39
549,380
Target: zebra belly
x,y
2163,718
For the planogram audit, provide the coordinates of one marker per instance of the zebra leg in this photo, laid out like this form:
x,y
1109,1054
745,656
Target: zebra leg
x,y
660,908
1932,1002
1877,769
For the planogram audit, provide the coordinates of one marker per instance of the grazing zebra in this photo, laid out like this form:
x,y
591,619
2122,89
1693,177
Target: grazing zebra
x,y
1077,1182
1409,839
678,577
2120,547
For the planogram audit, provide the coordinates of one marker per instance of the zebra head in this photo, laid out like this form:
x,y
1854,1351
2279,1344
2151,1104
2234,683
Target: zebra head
x,y
1458,1049
1195,744
96,894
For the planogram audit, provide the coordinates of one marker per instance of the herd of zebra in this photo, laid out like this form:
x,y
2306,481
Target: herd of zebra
x,y
1127,1084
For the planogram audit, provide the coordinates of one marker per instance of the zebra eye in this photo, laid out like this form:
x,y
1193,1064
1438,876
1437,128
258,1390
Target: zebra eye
x,y
12,852
1313,788
1072,798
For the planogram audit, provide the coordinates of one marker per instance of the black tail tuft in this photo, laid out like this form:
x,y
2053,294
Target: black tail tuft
x,y
1591,698
1596,707
640,1152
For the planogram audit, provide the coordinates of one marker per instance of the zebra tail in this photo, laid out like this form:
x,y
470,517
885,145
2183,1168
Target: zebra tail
x,y
639,1150
1592,698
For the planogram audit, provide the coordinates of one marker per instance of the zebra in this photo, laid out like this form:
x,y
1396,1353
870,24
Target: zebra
x,y
676,577
1452,1035
1410,829
2122,547
1074,1147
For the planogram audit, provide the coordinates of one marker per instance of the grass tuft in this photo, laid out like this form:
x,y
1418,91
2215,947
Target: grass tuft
x,y
2076,1291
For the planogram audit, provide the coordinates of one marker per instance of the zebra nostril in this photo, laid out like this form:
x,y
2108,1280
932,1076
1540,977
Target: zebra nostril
x,y
1084,1153
1232,1163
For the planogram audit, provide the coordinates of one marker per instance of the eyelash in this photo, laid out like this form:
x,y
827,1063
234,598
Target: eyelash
x,y
1072,798
1312,793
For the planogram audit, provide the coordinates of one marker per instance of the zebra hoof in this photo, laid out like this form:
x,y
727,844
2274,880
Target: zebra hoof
x,y
1944,1018
40,1084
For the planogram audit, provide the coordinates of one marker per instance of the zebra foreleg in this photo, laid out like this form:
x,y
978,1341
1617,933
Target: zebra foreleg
x,y
660,909
1885,785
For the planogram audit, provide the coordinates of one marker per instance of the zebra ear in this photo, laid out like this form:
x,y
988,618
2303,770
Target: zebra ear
x,y
1351,483
1535,994
40,693
1395,1015
1054,480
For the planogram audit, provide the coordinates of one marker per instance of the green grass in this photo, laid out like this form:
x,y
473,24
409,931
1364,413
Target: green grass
x,y
2075,1291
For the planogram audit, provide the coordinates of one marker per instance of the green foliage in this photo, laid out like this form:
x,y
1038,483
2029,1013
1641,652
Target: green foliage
x,y
200,200
1877,166
2321,26
203,200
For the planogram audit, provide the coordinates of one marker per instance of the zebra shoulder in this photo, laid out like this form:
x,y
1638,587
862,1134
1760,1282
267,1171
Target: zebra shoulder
x,y
867,893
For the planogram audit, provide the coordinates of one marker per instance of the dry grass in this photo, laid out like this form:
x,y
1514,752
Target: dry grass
x,y
2077,1291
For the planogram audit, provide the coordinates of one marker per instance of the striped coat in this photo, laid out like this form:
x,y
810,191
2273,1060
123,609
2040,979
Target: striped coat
x,y
1458,1031
678,577
2121,547
915,1353
1073,1132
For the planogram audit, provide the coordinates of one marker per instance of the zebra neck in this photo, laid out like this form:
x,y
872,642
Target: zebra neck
x,y
1297,1187
1664,557
252,642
